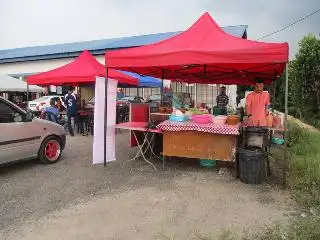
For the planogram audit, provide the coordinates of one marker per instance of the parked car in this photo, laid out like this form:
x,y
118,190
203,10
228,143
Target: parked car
x,y
130,99
121,101
43,102
155,99
90,103
25,137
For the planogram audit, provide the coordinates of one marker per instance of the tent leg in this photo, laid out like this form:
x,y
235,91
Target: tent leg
x,y
105,119
285,160
27,95
161,89
212,94
195,95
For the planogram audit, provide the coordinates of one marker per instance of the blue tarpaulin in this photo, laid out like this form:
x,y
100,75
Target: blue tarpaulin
x,y
145,81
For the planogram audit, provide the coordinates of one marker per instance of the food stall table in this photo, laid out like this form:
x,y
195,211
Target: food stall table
x,y
148,139
203,141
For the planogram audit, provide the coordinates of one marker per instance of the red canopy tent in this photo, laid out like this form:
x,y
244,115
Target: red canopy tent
x,y
84,69
204,54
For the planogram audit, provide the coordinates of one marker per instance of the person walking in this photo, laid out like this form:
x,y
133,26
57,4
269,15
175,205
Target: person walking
x,y
83,118
71,103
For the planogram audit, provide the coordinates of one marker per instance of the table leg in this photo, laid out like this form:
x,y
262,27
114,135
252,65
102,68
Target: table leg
x,y
148,143
163,162
141,152
151,144
140,146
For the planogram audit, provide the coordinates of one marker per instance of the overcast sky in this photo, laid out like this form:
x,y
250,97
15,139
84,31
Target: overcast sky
x,y
40,22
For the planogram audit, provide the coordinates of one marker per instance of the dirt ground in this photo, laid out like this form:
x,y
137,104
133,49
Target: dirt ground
x,y
135,202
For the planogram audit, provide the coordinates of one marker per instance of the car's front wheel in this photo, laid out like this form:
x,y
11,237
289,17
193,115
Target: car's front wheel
x,y
50,150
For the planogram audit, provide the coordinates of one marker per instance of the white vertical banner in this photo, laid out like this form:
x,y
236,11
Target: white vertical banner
x,y
99,118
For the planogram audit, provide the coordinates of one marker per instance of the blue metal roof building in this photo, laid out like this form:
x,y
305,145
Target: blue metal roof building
x,y
96,47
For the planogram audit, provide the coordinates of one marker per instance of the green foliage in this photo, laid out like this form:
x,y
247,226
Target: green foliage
x,y
302,228
304,180
304,83
305,167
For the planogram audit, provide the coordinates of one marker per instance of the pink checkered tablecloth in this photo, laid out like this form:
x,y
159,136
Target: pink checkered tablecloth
x,y
192,126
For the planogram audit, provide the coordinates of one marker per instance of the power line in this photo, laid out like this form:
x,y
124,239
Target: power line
x,y
291,24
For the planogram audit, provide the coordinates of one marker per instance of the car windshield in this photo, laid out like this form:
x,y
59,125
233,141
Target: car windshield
x,y
127,99
154,97
92,100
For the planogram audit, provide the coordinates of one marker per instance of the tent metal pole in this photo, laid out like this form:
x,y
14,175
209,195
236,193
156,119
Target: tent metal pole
x,y
212,94
285,159
195,95
191,93
274,88
161,89
27,95
137,92
105,119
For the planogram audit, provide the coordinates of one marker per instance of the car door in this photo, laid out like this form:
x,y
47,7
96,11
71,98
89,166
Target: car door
x,y
18,139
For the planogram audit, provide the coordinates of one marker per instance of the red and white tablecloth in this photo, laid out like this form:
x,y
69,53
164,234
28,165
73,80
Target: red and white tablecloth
x,y
192,126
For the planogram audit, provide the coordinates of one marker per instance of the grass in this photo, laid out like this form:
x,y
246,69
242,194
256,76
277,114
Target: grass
x,y
304,175
304,182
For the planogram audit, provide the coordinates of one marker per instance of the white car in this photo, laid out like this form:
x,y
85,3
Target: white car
x,y
25,137
43,102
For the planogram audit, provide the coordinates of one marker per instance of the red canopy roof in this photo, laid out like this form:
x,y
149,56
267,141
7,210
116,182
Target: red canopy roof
x,y
83,69
204,53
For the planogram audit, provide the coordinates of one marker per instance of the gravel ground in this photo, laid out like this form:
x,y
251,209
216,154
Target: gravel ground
x,y
41,202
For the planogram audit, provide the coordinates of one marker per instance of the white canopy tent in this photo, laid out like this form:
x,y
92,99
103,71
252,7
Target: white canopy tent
x,y
11,84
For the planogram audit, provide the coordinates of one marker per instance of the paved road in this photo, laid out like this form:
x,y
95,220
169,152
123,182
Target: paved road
x,y
30,190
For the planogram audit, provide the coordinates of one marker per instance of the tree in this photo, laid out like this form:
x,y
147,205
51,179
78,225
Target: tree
x,y
304,81
305,77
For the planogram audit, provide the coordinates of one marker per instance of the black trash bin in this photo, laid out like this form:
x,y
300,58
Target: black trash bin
x,y
252,165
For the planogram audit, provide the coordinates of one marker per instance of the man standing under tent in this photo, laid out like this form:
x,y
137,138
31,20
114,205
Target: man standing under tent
x,y
256,105
222,101
71,103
